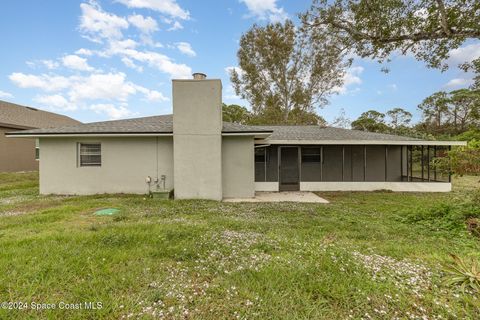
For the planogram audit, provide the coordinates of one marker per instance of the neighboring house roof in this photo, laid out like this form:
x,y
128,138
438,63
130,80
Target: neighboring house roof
x,y
147,125
163,125
21,117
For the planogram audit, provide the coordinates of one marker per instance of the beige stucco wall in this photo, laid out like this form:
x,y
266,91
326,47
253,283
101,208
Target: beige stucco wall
x,y
125,164
238,167
16,154
197,125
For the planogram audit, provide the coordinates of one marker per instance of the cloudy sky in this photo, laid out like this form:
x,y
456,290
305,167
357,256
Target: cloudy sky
x,y
111,59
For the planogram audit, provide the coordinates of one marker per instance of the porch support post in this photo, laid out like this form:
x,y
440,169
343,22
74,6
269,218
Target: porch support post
x,y
411,163
364,162
321,163
343,163
386,162
428,162
423,166
435,168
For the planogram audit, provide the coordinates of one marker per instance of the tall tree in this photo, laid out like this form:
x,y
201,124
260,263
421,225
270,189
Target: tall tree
x,y
372,121
428,29
399,118
285,74
451,113
342,121
235,113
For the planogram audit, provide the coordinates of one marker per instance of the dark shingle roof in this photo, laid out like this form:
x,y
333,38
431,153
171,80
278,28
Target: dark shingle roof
x,y
328,133
154,124
164,124
17,116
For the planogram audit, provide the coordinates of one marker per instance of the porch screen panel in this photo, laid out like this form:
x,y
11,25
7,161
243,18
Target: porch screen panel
x,y
260,163
272,163
332,163
358,172
375,163
311,166
394,163
347,163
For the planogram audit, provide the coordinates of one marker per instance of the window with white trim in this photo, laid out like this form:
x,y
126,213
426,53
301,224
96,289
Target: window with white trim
x,y
89,154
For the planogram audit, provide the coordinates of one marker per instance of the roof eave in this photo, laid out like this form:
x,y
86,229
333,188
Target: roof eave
x,y
366,142
93,134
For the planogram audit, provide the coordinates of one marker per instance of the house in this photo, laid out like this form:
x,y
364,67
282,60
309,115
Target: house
x,y
21,154
199,156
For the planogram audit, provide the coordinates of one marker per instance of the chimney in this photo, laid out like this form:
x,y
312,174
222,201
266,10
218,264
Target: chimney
x,y
199,76
197,138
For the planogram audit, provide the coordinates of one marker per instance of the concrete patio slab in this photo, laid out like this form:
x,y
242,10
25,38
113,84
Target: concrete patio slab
x,y
290,196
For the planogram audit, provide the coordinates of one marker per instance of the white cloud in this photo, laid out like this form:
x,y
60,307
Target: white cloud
x,y
84,52
4,94
458,83
351,77
50,64
168,7
55,101
186,48
464,54
151,95
97,24
161,62
175,26
145,25
129,63
76,63
79,89
265,10
111,111
44,82
107,86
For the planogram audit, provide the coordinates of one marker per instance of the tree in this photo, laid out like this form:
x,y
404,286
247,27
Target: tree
x,y
235,113
285,74
434,109
461,160
372,121
464,109
451,113
378,28
342,121
399,118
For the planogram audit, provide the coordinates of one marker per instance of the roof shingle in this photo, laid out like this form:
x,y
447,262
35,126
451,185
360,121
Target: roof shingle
x,y
17,116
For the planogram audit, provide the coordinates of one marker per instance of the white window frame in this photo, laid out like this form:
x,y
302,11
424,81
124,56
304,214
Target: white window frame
x,y
79,155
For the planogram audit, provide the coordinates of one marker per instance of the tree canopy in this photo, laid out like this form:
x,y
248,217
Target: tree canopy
x,y
377,28
285,74
451,113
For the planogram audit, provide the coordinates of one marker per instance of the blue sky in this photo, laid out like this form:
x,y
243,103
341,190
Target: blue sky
x,y
109,59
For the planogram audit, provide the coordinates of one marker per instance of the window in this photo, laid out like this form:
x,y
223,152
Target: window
x,y
90,155
310,154
260,155
37,149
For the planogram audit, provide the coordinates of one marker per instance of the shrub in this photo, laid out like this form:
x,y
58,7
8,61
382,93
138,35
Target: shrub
x,y
464,274
446,216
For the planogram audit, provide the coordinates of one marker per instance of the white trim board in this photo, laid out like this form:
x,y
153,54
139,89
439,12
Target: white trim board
x,y
373,186
266,186
365,142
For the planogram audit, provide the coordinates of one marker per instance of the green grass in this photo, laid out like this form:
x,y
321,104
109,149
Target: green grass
x,y
360,256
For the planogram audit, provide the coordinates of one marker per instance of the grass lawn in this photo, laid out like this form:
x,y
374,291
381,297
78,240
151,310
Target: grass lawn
x,y
362,256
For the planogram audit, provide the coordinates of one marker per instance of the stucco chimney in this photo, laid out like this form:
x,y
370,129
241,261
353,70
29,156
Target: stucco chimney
x,y
197,138
199,76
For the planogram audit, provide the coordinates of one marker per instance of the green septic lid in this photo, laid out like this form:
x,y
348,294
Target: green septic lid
x,y
106,212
